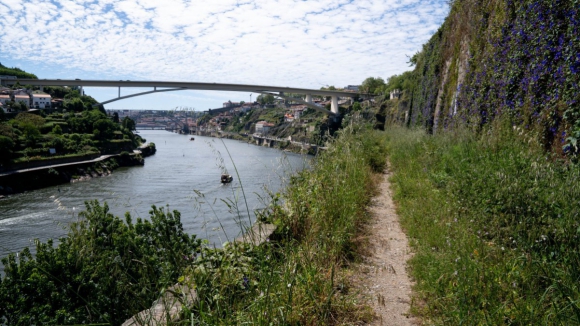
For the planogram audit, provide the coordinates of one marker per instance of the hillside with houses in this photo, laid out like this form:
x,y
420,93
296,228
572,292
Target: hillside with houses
x,y
267,116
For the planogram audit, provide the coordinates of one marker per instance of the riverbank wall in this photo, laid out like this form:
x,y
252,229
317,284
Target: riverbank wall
x,y
283,144
37,177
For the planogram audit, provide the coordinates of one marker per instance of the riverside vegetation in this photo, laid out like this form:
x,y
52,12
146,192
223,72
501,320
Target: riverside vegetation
x,y
108,269
494,223
488,186
76,129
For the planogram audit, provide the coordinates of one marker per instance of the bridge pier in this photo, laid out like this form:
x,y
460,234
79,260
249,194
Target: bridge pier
x,y
285,99
308,98
334,104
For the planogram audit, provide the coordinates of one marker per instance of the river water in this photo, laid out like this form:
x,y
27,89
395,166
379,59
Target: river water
x,y
183,174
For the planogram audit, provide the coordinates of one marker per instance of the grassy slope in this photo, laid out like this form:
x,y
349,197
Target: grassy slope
x,y
494,223
302,278
16,72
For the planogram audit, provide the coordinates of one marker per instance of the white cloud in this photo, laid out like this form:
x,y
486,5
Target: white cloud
x,y
286,42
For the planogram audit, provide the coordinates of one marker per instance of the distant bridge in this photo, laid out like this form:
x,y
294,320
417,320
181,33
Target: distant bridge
x,y
167,86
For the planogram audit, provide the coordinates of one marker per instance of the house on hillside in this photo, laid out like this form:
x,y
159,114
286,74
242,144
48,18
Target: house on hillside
x,y
263,127
56,103
230,104
23,98
4,98
41,101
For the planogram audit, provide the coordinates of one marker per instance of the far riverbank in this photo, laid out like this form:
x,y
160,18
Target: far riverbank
x,y
37,177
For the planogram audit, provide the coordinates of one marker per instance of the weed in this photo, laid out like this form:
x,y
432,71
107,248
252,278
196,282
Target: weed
x,y
494,223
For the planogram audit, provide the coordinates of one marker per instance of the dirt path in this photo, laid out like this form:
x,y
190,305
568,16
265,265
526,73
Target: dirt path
x,y
386,284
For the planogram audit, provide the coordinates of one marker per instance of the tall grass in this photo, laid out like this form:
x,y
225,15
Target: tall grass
x,y
494,221
300,278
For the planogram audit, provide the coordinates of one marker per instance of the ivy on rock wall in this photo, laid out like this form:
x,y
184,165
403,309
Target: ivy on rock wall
x,y
531,72
518,59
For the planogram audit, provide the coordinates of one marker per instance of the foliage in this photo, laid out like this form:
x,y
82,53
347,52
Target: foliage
x,y
104,128
494,223
300,278
28,118
16,72
6,146
514,58
372,85
264,99
57,91
57,130
74,105
402,82
105,270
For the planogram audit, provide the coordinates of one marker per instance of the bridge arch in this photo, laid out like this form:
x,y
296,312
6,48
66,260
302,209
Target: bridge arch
x,y
168,86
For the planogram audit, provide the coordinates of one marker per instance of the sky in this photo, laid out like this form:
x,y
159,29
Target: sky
x,y
294,43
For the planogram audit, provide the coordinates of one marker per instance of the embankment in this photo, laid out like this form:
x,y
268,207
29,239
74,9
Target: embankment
x,y
36,177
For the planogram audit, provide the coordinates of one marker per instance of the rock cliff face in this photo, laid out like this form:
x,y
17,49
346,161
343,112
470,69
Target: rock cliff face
x,y
490,58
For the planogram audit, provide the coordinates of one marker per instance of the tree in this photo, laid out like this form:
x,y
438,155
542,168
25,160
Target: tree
x,y
31,133
400,82
6,146
35,120
104,128
72,94
104,271
57,130
264,99
128,123
373,85
115,117
74,104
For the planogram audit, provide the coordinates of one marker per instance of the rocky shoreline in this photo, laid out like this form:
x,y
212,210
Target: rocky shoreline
x,y
42,178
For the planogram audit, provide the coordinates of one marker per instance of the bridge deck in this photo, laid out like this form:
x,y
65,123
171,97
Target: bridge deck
x,y
176,84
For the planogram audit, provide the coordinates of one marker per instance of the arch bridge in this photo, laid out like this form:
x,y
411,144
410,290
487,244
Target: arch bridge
x,y
168,86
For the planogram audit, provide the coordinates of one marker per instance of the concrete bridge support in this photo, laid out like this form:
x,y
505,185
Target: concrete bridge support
x,y
308,98
334,105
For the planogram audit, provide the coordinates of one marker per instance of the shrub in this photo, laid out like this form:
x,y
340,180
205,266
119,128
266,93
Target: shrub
x,y
105,271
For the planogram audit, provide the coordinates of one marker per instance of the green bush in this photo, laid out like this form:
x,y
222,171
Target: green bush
x,y
105,271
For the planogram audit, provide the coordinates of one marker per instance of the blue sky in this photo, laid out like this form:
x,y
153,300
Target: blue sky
x,y
306,44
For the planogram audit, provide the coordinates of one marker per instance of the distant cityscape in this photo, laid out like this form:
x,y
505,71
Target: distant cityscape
x,y
187,119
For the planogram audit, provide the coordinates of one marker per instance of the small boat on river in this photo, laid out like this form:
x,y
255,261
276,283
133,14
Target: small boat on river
x,y
226,178
191,138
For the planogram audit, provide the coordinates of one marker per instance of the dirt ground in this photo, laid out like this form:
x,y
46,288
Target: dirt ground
x,y
386,285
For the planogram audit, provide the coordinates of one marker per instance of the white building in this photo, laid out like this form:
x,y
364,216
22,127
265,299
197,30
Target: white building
x,y
395,94
24,98
263,127
41,101
4,99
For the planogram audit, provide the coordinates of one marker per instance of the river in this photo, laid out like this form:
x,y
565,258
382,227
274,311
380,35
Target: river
x,y
176,176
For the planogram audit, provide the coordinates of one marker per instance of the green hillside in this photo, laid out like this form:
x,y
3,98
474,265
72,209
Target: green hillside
x,y
16,72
